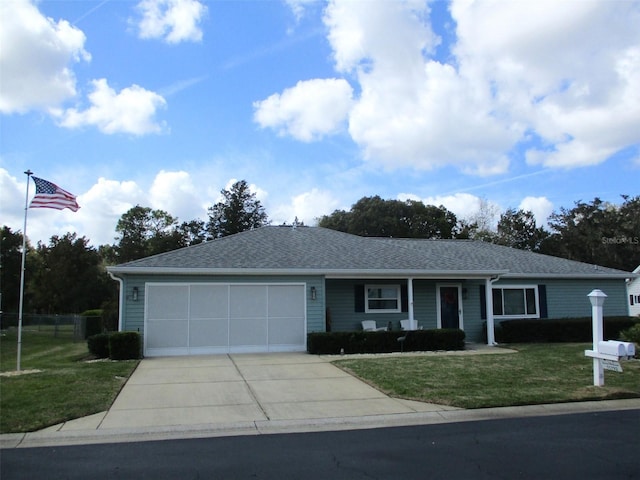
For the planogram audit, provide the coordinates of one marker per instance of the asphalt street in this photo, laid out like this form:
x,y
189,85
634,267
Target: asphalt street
x,y
602,445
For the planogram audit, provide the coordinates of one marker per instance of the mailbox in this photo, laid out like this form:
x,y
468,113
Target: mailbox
x,y
622,350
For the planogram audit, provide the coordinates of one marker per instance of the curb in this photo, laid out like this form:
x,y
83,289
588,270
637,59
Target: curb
x,y
50,438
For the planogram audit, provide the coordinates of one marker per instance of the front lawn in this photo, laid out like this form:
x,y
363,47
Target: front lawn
x,y
67,386
538,373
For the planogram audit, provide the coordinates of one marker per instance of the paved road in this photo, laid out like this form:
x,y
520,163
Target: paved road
x,y
602,445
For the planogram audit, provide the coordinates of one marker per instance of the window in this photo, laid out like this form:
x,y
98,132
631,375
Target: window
x,y
382,298
516,302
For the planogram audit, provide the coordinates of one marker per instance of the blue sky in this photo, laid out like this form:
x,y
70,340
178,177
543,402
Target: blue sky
x,y
315,104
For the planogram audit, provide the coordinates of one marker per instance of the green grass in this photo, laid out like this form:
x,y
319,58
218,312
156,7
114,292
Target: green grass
x,y
538,373
68,387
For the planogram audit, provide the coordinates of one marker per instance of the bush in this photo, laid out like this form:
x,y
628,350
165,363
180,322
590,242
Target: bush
x,y
548,330
632,335
99,345
384,342
93,322
124,345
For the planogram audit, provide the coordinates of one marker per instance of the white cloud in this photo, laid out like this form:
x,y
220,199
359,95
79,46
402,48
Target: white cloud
x,y
174,21
306,207
298,6
465,205
175,193
12,197
412,111
132,110
559,77
541,207
308,111
102,206
36,57
566,70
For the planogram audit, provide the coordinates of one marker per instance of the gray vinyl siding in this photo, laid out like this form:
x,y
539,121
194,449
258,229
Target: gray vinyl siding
x,y
567,298
133,311
474,324
424,304
341,305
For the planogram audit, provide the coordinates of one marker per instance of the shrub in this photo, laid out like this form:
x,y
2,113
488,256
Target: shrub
x,y
548,330
93,322
124,345
632,335
384,342
99,345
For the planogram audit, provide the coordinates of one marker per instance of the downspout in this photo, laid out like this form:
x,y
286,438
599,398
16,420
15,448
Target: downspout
x,y
491,334
120,299
412,323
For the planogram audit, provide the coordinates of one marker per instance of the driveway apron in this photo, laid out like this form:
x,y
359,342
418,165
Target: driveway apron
x,y
223,389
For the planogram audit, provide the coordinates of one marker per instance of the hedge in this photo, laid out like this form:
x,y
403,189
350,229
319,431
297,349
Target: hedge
x,y
384,342
99,345
560,330
124,345
116,345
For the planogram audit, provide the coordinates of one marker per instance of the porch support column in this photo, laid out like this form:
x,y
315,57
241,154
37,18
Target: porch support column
x,y
491,337
412,323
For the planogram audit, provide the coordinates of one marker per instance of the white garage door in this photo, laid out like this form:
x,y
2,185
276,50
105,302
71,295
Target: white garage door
x,y
187,319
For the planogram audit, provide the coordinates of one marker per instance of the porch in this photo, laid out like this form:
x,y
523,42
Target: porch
x,y
427,303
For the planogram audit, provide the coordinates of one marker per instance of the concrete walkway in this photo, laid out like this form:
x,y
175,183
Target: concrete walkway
x,y
186,397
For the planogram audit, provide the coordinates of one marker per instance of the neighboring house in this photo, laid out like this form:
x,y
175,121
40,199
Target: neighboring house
x,y
265,289
633,292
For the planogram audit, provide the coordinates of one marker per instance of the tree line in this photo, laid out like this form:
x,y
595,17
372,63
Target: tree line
x,y
68,275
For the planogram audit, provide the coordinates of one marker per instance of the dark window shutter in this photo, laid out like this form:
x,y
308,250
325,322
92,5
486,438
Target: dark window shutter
x,y
631,300
483,302
404,298
542,297
358,297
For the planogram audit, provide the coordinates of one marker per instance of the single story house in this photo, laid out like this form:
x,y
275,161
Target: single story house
x,y
263,290
633,293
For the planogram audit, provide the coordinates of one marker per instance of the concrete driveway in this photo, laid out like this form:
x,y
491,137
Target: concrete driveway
x,y
199,390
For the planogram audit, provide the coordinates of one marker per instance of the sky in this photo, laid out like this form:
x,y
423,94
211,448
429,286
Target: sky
x,y
316,104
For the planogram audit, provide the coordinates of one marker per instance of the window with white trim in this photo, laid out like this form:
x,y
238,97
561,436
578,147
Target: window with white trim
x,y
516,301
382,299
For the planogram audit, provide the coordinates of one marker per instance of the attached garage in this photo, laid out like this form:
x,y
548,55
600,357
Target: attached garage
x,y
201,318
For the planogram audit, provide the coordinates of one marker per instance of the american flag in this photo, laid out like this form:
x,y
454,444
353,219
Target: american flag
x,y
49,195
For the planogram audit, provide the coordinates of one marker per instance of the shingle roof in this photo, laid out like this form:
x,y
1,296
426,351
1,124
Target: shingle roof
x,y
322,251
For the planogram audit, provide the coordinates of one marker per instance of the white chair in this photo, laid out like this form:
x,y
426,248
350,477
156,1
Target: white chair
x,y
370,326
406,324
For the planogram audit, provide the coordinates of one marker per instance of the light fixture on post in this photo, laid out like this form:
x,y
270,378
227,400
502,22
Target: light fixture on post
x,y
313,293
134,295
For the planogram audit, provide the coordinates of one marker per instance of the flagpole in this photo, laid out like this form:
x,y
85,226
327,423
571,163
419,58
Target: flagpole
x,y
28,173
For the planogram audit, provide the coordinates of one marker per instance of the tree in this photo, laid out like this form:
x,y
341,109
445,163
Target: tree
x,y
192,232
239,211
482,224
143,232
597,232
375,217
518,229
69,276
10,265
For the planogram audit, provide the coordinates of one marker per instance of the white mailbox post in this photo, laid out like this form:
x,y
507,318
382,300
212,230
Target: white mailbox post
x,y
606,355
597,298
